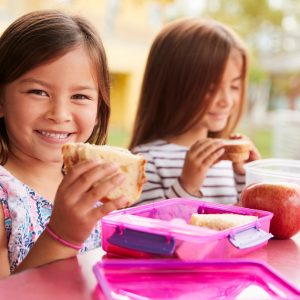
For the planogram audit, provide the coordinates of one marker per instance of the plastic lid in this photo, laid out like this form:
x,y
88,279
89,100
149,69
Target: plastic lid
x,y
171,218
275,166
175,279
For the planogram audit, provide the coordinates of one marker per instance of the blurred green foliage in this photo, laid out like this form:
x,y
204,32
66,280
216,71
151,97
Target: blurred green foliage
x,y
246,16
256,73
118,137
263,142
261,138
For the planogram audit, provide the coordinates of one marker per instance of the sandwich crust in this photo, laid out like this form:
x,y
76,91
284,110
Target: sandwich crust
x,y
70,155
236,150
235,157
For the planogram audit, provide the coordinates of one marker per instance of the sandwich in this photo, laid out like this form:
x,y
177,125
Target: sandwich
x,y
133,166
236,150
220,221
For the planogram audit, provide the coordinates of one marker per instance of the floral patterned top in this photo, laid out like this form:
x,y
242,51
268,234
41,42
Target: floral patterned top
x,y
26,214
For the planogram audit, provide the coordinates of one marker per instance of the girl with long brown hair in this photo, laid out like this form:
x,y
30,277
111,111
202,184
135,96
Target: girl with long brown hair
x,y
54,89
193,95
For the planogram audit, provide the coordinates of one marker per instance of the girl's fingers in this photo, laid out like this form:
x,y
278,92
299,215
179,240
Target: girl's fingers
x,y
254,154
198,143
213,158
86,180
99,192
217,161
101,211
104,200
235,136
238,167
209,149
205,145
79,169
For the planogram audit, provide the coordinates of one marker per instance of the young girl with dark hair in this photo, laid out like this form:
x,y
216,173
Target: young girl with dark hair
x,y
54,89
193,94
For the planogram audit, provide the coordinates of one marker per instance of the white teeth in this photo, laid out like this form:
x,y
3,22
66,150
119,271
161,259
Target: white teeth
x,y
54,135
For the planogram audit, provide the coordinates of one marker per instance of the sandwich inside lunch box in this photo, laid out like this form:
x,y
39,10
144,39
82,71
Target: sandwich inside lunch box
x,y
175,279
162,229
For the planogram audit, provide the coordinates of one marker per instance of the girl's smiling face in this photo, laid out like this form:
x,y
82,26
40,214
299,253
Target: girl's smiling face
x,y
51,105
227,96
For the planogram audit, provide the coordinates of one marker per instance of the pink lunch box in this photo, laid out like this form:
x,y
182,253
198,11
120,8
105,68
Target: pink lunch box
x,y
162,229
185,280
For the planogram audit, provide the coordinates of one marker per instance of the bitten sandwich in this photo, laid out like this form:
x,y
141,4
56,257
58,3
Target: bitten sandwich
x,y
236,150
220,221
133,166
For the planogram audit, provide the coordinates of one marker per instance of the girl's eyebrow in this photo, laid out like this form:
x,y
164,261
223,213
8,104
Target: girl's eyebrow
x,y
237,78
84,87
32,80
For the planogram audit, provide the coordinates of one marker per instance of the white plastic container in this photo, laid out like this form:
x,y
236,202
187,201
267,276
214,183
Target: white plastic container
x,y
273,170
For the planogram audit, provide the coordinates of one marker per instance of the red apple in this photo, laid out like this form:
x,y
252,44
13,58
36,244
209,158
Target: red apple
x,y
280,198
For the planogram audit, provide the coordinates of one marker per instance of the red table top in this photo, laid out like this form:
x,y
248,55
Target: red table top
x,y
74,279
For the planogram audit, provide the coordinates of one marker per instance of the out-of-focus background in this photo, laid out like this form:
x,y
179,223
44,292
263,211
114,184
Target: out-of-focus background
x,y
271,28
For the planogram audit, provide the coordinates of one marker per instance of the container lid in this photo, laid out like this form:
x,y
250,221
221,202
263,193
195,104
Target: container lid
x,y
285,168
170,218
175,279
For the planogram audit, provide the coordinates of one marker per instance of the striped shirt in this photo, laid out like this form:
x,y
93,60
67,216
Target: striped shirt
x,y
164,167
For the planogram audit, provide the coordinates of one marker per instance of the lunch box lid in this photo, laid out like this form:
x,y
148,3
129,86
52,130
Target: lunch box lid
x,y
176,279
154,227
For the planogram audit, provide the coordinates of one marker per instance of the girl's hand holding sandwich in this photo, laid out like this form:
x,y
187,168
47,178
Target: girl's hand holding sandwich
x,y
202,155
74,214
253,155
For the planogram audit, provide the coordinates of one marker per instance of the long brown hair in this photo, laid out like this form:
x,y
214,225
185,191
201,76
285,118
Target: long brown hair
x,y
43,36
186,59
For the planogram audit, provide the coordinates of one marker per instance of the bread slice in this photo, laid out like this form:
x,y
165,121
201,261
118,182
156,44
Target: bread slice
x,y
236,150
235,157
237,146
133,166
220,221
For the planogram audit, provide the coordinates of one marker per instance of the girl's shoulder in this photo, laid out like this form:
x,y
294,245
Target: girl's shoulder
x,y
6,182
11,186
4,173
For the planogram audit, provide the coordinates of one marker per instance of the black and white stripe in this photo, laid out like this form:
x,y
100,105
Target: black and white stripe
x,y
165,162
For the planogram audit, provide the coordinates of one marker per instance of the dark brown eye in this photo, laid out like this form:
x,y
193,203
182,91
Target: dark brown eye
x,y
38,92
79,97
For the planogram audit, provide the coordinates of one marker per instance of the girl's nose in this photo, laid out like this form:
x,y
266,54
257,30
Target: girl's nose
x,y
225,98
58,111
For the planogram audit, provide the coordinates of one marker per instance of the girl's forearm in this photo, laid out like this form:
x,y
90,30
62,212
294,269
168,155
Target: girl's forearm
x,y
45,250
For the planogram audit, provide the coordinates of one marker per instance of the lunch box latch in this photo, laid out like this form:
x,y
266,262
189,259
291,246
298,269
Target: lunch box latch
x,y
143,241
249,237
